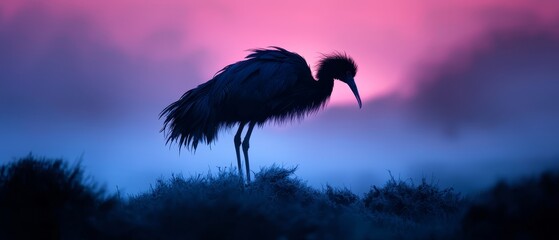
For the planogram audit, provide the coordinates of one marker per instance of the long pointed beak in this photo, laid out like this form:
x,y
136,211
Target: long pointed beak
x,y
353,87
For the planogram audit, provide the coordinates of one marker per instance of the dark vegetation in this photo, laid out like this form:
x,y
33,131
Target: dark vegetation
x,y
48,199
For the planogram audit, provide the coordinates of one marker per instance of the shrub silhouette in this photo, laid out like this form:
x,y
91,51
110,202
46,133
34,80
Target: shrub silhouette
x,y
412,202
528,209
341,196
274,205
49,200
199,207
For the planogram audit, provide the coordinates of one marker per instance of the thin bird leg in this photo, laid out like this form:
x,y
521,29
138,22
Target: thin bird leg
x,y
237,141
245,148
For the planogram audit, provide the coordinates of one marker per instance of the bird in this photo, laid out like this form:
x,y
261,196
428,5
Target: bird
x,y
269,84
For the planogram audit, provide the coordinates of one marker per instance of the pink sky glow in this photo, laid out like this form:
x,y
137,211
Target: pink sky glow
x,y
389,40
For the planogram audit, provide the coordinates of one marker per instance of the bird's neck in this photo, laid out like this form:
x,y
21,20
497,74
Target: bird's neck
x,y
324,88
326,84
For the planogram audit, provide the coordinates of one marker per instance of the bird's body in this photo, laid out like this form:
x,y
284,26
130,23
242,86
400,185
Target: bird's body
x,y
270,84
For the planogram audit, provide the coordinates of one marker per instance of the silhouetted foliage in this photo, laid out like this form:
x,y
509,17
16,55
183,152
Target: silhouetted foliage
x,y
47,199
274,205
525,210
341,196
412,202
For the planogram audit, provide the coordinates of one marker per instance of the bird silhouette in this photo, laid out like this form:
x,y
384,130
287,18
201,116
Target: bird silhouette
x,y
269,84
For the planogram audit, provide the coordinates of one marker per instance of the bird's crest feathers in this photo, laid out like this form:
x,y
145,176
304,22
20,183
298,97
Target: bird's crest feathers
x,y
335,65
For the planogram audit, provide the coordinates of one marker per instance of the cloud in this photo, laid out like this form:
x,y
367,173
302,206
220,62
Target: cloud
x,y
46,67
63,67
513,77
385,38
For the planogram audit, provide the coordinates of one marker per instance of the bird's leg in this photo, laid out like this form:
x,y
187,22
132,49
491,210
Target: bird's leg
x,y
237,141
245,148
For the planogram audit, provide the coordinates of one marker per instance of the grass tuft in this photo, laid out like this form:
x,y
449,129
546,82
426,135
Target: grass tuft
x,y
412,202
342,197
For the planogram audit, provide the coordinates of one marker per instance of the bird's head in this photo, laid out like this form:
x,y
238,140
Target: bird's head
x,y
342,67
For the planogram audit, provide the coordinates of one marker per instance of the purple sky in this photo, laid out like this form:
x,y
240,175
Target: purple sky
x,y
464,92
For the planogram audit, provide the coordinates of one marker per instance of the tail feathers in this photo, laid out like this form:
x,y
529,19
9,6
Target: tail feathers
x,y
189,120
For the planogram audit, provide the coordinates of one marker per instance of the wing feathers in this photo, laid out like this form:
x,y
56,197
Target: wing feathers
x,y
249,89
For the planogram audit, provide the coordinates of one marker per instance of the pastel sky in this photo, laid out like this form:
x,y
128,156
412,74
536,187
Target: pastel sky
x,y
461,90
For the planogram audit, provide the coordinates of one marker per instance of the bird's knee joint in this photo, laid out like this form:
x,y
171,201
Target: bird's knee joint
x,y
237,140
245,145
